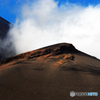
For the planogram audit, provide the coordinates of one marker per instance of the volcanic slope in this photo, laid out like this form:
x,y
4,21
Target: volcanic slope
x,y
49,73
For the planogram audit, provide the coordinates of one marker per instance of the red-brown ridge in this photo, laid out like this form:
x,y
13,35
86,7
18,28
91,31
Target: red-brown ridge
x,y
53,50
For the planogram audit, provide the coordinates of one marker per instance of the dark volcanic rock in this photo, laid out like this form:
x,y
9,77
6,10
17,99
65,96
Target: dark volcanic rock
x,y
65,49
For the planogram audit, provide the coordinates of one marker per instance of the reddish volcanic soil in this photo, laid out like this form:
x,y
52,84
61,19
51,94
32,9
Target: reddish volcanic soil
x,y
49,73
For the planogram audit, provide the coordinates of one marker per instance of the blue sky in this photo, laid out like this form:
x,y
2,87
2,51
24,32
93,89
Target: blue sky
x,y
9,8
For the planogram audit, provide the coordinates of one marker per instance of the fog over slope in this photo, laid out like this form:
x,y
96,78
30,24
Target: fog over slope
x,y
6,44
42,23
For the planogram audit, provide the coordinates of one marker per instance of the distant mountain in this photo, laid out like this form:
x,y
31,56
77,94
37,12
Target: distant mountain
x,y
6,48
49,73
4,27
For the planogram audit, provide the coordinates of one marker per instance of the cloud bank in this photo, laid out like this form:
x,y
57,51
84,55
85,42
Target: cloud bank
x,y
42,23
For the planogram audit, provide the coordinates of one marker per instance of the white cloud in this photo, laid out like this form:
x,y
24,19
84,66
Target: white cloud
x,y
42,23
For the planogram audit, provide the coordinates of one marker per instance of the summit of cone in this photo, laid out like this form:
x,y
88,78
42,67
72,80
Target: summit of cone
x,y
61,50
52,50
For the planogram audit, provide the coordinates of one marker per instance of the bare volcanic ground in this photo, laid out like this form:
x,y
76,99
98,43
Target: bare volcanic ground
x,y
49,73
